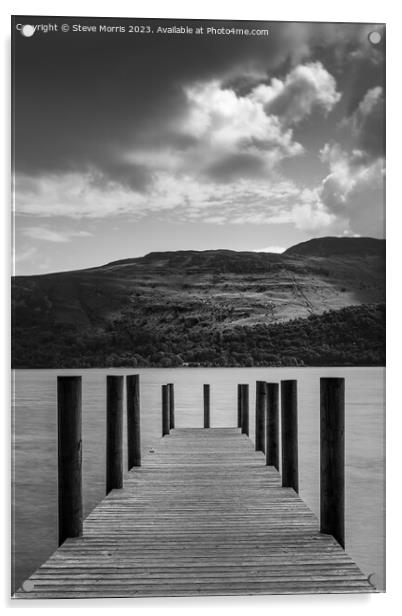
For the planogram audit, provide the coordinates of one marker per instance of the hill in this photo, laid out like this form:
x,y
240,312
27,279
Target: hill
x,y
162,309
325,246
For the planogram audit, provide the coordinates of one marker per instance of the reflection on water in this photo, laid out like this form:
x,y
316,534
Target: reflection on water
x,y
35,446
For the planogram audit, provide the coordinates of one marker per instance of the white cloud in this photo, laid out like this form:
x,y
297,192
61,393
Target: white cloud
x,y
24,255
353,191
349,173
294,98
306,216
50,235
249,135
181,197
348,233
224,123
225,169
225,172
366,123
370,100
76,195
277,249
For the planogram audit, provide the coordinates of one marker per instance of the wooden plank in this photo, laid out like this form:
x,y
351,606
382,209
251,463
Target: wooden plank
x,y
203,515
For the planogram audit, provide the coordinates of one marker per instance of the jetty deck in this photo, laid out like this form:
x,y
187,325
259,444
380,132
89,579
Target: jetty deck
x,y
203,515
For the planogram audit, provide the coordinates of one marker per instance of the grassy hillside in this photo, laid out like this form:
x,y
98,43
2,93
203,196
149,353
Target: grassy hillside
x,y
168,308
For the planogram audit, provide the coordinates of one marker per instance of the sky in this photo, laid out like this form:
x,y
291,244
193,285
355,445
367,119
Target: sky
x,y
129,143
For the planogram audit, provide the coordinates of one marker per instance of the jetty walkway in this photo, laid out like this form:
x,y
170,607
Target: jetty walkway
x,y
203,515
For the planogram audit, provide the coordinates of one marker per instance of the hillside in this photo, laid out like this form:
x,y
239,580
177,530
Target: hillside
x,y
326,246
163,308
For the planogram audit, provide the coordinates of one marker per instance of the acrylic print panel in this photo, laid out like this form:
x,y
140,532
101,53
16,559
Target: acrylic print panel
x,y
198,296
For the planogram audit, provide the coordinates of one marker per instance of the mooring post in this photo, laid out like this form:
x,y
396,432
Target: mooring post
x,y
207,402
69,422
244,409
260,405
133,420
239,406
171,405
332,458
272,425
290,471
165,410
114,432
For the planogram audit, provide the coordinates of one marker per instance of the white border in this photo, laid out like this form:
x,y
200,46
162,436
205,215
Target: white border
x,y
291,10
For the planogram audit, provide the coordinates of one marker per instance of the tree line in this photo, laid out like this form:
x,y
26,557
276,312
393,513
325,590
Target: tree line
x,y
352,336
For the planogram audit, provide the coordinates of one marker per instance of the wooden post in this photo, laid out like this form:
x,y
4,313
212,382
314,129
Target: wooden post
x,y
272,425
207,419
332,460
69,414
171,405
260,405
244,409
114,432
290,471
133,420
165,410
239,406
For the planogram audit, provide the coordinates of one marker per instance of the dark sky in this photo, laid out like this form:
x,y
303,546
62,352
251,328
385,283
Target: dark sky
x,y
128,142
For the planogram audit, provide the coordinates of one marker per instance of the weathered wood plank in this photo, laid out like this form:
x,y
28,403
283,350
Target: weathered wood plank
x,y
203,515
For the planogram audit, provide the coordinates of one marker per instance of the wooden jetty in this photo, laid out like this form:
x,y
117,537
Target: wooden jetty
x,y
204,514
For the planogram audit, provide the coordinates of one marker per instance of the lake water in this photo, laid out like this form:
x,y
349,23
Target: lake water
x,y
35,446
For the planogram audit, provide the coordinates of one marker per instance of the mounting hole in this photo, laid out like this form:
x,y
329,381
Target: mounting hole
x,y
28,585
374,38
28,30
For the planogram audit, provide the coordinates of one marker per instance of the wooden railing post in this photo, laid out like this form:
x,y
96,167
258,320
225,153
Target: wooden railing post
x,y
165,410
332,459
244,409
260,405
290,471
207,402
171,405
133,420
114,432
69,422
239,406
272,425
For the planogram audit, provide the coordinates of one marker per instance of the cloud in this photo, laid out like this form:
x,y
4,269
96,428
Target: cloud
x,y
24,255
233,133
219,162
248,135
223,137
49,235
129,99
277,249
223,153
367,123
173,197
306,215
353,191
76,195
293,99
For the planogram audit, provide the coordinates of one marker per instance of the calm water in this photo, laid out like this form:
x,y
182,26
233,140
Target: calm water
x,y
35,446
